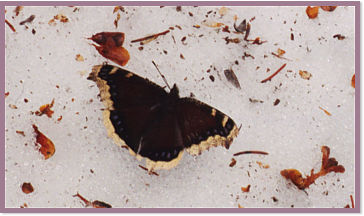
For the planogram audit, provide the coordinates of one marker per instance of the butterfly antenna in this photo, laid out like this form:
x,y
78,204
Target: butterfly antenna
x,y
161,75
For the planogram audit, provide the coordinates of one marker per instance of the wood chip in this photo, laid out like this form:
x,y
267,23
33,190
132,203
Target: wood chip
x,y
232,163
327,112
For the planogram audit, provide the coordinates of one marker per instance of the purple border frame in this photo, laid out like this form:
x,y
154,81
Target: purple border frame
x,y
356,4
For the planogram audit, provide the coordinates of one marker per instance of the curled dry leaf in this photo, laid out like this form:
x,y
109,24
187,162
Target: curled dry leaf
x,y
47,147
328,165
312,12
27,188
305,74
111,46
353,81
46,109
328,8
94,204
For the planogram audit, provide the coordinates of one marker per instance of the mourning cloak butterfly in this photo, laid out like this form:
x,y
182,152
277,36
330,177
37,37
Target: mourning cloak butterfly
x,y
155,124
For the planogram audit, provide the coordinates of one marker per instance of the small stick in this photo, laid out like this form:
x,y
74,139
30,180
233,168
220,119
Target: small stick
x,y
251,152
10,25
149,172
165,80
275,73
352,201
150,37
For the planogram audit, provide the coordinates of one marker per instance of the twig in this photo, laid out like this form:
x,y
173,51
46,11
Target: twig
x,y
149,171
251,152
150,37
10,25
275,73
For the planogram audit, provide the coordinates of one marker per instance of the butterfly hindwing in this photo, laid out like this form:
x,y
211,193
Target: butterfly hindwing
x,y
204,126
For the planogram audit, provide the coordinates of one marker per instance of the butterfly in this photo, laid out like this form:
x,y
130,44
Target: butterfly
x,y
155,124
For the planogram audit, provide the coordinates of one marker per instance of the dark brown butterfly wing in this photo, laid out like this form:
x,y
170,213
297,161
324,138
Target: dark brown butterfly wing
x,y
132,102
203,126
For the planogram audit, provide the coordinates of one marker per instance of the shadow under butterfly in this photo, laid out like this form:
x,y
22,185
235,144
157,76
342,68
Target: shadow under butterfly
x,y
155,124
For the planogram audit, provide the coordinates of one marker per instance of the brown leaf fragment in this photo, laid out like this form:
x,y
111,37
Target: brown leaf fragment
x,y
274,199
305,74
239,206
59,118
274,74
28,20
245,189
353,81
231,77
339,36
328,165
327,112
116,21
20,132
261,165
232,163
61,18
251,152
226,29
232,40
292,36
328,8
181,56
12,106
312,12
178,8
276,102
79,57
196,26
10,25
117,8
47,147
223,11
257,41
7,94
18,9
46,109
119,55
212,24
27,187
150,37
94,204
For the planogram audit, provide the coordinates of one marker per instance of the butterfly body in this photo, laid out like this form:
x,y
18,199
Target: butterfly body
x,y
156,124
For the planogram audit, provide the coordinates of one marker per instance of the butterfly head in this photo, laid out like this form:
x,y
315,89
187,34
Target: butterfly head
x,y
174,91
